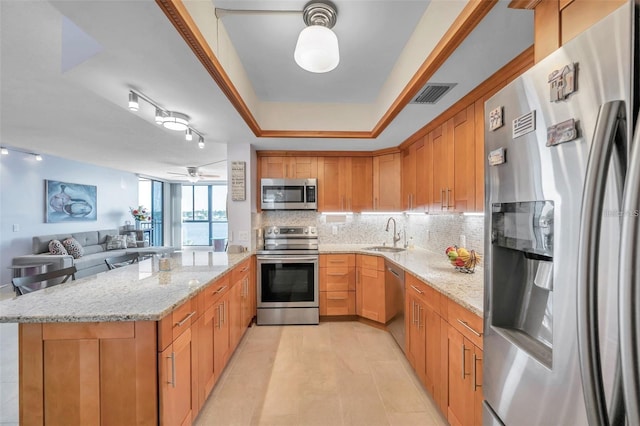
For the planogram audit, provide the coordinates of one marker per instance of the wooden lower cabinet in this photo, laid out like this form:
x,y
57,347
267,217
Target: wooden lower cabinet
x,y
176,369
373,301
337,287
221,336
444,347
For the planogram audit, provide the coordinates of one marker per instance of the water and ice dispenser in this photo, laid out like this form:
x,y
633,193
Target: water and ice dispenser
x,y
522,292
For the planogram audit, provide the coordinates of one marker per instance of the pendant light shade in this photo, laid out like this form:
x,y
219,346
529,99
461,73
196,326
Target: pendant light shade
x,y
317,47
175,121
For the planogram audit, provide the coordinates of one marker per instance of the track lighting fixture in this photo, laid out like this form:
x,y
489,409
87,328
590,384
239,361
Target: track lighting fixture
x,y
159,116
169,119
133,101
4,151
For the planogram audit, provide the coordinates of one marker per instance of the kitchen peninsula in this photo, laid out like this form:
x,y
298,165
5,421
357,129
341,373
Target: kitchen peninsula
x,y
134,345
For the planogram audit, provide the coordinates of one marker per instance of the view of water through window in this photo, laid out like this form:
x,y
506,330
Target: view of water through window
x,y
204,216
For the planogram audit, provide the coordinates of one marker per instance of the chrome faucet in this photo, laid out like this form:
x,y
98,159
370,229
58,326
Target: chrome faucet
x,y
396,237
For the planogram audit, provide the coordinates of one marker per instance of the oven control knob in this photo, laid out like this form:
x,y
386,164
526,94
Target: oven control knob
x,y
276,231
306,231
268,231
313,230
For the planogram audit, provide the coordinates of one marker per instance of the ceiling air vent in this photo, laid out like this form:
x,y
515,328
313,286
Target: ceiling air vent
x,y
432,92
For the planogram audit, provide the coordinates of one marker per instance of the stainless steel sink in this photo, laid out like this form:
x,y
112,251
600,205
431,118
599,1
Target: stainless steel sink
x,y
385,249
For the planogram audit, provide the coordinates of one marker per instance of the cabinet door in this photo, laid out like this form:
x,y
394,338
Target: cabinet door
x,y
302,167
386,182
463,197
235,315
424,175
476,378
417,336
206,372
176,396
432,352
272,167
360,197
331,184
409,177
221,335
461,399
440,169
373,294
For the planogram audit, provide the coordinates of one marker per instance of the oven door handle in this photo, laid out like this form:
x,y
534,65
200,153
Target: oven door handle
x,y
288,258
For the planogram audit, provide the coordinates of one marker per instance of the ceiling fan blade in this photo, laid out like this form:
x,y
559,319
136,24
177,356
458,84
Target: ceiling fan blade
x,y
174,173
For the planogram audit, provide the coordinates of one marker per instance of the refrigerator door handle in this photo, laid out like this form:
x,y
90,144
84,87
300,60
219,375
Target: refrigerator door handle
x,y
588,253
629,286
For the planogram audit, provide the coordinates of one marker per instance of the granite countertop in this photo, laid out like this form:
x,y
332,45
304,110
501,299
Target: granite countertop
x,y
138,292
433,268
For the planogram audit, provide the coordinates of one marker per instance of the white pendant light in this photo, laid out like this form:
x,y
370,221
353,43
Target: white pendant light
x,y
317,48
188,135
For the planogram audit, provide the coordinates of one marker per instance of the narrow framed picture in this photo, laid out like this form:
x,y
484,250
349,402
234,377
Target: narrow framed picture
x,y
68,202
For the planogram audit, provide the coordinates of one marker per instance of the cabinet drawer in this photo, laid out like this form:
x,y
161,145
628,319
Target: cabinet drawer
x,y
337,279
240,271
175,323
337,303
215,291
424,292
370,262
466,322
331,260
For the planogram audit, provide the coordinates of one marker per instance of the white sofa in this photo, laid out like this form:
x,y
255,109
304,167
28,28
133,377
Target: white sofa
x,y
94,244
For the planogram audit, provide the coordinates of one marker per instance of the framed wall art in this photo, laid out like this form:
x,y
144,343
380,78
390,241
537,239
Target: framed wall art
x,y
67,202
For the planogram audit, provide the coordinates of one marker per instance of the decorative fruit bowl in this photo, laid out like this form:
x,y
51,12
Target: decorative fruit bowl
x,y
464,260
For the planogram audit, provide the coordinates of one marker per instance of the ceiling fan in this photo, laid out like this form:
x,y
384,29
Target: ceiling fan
x,y
194,174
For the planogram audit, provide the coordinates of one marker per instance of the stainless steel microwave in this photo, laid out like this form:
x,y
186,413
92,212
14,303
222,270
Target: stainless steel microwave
x,y
289,194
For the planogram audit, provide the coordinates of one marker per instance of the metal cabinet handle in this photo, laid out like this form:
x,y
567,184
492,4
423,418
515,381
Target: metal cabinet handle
x,y
394,272
220,290
449,198
172,382
224,313
469,327
475,372
185,319
420,324
245,269
417,289
414,312
375,203
219,318
464,373
442,207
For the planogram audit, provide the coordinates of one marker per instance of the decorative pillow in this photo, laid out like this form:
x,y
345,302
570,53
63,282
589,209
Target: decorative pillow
x,y
116,242
131,241
56,247
73,247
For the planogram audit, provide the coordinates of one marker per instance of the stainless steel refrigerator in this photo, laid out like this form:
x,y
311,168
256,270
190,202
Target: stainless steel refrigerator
x,y
562,266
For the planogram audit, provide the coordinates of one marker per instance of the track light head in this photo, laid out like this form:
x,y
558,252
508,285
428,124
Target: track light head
x,y
134,105
188,135
201,143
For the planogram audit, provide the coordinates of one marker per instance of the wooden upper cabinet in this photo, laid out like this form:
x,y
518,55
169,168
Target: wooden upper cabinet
x,y
386,182
463,196
442,170
360,184
288,167
409,159
331,184
345,184
424,175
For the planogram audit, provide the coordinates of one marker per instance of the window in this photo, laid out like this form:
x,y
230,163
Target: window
x,y
204,215
150,195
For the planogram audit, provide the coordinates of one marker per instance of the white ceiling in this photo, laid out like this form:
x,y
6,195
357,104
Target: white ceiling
x,y
64,93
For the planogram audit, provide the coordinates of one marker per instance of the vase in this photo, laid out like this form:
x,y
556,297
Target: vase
x,y
137,225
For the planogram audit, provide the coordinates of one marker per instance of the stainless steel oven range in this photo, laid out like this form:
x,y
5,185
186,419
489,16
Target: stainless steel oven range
x,y
288,276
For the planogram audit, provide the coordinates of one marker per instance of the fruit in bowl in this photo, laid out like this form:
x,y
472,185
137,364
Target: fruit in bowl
x,y
464,260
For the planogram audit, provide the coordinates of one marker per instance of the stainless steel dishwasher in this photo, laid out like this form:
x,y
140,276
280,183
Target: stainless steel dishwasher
x,y
394,282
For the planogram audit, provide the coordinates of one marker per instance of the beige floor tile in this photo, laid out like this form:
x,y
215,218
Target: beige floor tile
x,y
342,373
414,419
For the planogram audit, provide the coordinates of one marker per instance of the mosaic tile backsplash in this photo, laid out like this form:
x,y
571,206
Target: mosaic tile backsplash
x,y
433,232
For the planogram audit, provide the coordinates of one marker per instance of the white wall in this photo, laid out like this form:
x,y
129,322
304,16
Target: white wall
x,y
22,200
239,213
